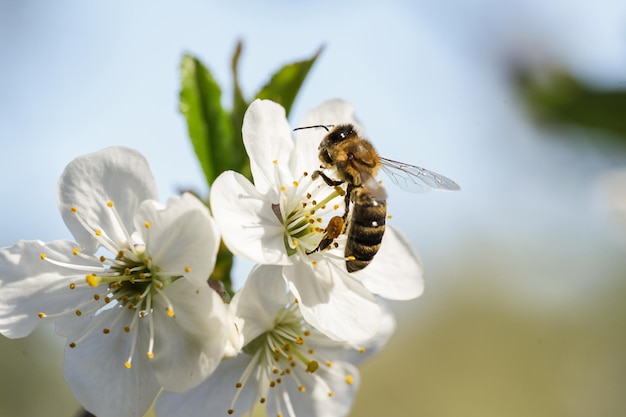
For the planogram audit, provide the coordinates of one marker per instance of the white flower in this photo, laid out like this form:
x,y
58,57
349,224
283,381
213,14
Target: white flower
x,y
131,296
281,219
291,368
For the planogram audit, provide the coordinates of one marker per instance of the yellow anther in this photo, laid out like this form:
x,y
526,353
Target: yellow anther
x,y
98,232
308,196
41,315
262,400
150,355
283,188
72,286
109,204
275,161
96,297
299,341
230,411
329,363
295,183
170,312
312,366
389,216
79,313
330,393
361,350
187,269
311,351
147,225
128,365
106,331
349,379
301,388
238,385
75,251
336,207
127,329
294,243
276,350
272,384
307,333
275,371
93,280
314,263
74,209
43,256
102,258
72,345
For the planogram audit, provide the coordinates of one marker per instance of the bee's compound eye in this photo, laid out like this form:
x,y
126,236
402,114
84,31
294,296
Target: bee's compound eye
x,y
340,134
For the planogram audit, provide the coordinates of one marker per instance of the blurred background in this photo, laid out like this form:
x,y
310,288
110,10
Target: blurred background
x,y
522,103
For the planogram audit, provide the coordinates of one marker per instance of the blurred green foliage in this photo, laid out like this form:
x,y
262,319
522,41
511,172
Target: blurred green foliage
x,y
560,99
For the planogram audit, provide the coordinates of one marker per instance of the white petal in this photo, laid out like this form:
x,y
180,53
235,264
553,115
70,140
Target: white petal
x,y
396,272
315,401
95,372
29,285
181,236
259,300
246,220
189,346
267,138
333,302
117,174
213,396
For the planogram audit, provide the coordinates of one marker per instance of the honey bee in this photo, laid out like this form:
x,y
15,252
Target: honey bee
x,y
356,163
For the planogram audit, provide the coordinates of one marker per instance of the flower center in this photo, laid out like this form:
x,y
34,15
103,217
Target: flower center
x,y
305,207
119,284
286,354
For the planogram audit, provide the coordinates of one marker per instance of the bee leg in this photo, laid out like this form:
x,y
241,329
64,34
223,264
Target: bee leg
x,y
333,230
329,181
347,200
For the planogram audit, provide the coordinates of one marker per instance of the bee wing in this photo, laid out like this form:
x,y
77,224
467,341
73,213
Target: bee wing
x,y
416,179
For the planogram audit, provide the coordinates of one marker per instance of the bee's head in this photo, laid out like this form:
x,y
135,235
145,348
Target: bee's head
x,y
338,134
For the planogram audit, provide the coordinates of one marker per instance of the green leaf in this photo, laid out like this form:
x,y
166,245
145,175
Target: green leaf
x,y
286,82
208,123
240,105
565,100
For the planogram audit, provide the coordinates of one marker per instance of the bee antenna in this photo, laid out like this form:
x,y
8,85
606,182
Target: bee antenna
x,y
327,127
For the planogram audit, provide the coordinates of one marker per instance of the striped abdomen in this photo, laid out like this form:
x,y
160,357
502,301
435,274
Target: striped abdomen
x,y
367,226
